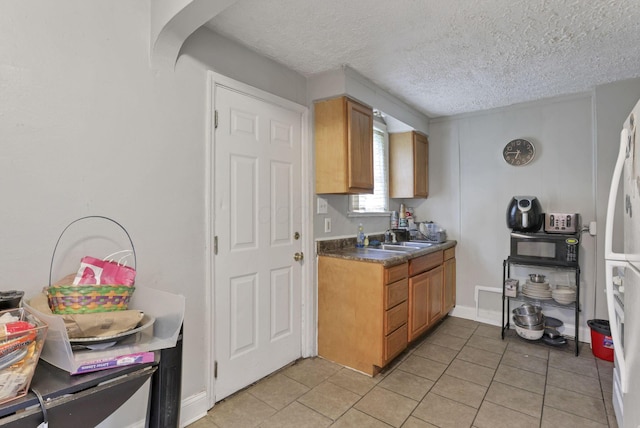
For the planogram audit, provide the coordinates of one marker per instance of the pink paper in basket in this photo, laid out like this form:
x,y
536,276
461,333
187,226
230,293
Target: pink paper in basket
x,y
96,271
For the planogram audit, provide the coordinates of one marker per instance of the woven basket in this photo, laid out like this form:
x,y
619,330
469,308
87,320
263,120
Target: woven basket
x,y
88,299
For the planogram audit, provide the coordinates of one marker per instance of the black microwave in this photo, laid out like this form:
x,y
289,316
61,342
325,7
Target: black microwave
x,y
544,248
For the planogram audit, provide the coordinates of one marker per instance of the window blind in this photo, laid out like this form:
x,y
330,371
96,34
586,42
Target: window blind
x,y
378,201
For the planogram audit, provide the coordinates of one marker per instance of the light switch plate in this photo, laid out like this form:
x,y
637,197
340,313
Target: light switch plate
x,y
322,206
327,225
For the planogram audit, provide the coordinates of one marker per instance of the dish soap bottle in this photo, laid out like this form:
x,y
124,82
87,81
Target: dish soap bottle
x,y
360,237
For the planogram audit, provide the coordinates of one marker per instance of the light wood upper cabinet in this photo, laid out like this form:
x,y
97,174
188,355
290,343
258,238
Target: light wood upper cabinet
x,y
344,146
408,165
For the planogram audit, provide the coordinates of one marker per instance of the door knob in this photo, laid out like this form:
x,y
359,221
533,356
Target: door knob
x,y
298,256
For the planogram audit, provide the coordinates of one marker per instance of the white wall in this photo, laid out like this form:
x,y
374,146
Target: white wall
x,y
400,117
231,59
471,185
89,128
612,105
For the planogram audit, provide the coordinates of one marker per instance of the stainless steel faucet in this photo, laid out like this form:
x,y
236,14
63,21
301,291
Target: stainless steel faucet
x,y
389,237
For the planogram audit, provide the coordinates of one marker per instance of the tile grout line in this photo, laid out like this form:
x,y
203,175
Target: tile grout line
x,y
424,341
445,370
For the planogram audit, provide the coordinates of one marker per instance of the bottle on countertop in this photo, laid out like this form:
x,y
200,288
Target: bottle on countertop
x,y
360,236
394,219
402,223
366,240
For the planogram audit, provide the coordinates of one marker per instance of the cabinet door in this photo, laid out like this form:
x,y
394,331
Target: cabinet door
x,y
449,295
408,165
418,309
435,280
421,162
360,146
344,146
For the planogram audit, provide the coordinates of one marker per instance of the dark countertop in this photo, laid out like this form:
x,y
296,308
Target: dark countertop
x,y
386,258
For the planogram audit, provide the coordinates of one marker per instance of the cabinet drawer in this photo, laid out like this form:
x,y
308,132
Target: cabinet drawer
x,y
424,263
449,253
395,273
396,293
395,343
395,317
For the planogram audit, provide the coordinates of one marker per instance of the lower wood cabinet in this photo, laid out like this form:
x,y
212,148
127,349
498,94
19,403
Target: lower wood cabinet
x,y
449,289
367,314
425,293
362,312
418,313
434,302
432,290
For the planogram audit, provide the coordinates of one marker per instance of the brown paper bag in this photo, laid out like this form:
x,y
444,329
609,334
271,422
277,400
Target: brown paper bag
x,y
105,324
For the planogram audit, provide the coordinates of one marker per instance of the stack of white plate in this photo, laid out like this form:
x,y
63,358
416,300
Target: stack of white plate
x,y
564,295
537,290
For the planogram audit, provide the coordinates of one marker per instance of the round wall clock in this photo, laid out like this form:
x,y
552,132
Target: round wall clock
x,y
519,152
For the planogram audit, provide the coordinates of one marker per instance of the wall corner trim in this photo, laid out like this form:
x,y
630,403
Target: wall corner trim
x,y
173,22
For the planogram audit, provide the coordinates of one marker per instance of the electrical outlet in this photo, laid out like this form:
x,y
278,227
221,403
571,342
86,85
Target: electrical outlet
x,y
322,206
327,225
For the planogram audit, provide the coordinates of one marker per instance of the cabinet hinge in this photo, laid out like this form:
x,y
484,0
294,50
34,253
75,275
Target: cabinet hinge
x,y
215,370
215,245
215,119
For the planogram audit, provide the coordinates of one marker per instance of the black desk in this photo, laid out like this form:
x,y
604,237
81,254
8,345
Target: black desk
x,y
79,400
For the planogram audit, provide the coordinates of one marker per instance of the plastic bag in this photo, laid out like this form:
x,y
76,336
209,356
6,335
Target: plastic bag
x,y
94,271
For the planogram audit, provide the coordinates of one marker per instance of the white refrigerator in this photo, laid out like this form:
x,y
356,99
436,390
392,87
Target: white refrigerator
x,y
623,276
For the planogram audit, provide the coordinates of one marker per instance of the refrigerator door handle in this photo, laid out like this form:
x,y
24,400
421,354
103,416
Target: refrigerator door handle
x,y
613,194
616,334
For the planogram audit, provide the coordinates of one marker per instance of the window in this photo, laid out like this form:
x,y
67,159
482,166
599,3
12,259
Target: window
x,y
378,202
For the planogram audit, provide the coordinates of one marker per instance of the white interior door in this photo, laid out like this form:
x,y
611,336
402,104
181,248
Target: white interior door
x,y
257,288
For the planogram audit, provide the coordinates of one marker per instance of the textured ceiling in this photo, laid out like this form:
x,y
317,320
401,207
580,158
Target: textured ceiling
x,y
446,57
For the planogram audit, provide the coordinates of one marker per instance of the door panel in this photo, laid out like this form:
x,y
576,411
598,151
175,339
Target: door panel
x,y
420,167
418,312
243,314
281,227
435,294
243,182
257,210
281,295
360,146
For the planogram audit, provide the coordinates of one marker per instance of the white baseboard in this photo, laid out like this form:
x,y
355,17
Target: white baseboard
x,y
494,318
468,312
463,312
193,408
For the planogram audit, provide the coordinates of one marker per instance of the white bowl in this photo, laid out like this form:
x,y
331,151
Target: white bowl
x,y
529,334
538,286
564,291
564,302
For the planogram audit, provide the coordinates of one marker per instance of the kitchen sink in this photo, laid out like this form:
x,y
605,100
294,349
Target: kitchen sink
x,y
419,244
407,246
391,248
398,247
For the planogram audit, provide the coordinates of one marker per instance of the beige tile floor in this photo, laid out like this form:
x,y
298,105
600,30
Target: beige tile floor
x,y
461,374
